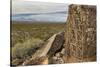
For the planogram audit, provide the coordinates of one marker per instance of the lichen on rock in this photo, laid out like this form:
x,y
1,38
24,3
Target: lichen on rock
x,y
80,34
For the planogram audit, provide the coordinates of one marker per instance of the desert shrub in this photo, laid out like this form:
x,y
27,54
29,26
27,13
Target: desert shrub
x,y
17,62
23,50
24,42
21,31
19,37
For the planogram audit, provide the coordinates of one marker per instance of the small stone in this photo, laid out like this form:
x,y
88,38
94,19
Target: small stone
x,y
57,54
63,51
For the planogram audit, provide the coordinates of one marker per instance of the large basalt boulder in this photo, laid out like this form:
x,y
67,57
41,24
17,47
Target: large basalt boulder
x,y
57,44
80,34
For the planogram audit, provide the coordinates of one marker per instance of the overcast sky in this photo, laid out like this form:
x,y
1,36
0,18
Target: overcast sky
x,y
20,7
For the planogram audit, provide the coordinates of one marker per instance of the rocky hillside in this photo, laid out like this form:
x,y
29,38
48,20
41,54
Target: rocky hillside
x,y
76,44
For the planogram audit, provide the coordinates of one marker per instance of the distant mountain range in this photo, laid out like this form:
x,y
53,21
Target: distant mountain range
x,y
59,16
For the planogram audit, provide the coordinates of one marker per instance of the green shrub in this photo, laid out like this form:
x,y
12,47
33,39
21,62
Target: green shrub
x,y
23,50
16,62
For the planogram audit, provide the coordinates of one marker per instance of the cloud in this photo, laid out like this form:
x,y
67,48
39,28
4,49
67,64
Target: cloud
x,y
36,7
38,11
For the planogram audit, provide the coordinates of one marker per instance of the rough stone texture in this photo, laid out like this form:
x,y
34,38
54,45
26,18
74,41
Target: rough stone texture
x,y
76,44
54,44
57,60
37,61
80,34
57,44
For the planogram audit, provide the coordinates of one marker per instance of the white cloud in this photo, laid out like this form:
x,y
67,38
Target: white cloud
x,y
29,7
36,7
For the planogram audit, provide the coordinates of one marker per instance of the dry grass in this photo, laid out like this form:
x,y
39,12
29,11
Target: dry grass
x,y
27,39
22,51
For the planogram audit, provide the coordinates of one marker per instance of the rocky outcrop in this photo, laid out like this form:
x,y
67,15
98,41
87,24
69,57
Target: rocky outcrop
x,y
76,44
50,48
80,34
57,44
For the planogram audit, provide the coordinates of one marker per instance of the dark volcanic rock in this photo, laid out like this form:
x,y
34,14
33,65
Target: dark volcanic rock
x,y
57,44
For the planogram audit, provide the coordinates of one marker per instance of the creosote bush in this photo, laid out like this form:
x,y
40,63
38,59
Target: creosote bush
x,y
23,50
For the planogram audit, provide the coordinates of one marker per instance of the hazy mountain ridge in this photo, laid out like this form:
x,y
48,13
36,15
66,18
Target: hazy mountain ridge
x,y
63,12
59,16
